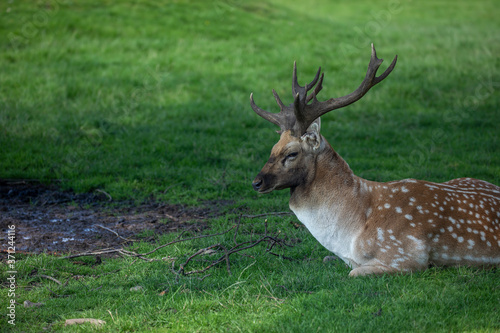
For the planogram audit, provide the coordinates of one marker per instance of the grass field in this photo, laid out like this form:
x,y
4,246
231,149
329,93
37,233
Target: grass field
x,y
148,100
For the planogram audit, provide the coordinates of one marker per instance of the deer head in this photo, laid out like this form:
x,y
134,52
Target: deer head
x,y
292,159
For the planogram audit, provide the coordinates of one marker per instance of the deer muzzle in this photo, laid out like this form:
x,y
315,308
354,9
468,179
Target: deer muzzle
x,y
264,183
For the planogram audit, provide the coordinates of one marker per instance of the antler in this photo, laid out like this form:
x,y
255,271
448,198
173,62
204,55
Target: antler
x,y
299,115
287,118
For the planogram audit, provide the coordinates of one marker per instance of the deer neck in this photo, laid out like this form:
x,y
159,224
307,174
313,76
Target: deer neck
x,y
330,180
332,203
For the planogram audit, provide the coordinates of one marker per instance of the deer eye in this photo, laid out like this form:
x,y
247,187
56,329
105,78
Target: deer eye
x,y
289,157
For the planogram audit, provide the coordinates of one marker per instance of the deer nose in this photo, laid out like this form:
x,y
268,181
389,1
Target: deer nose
x,y
257,183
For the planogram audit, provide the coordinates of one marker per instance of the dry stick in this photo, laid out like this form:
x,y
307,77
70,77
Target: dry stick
x,y
117,235
186,239
204,277
281,256
133,254
236,231
237,248
57,295
141,255
110,198
51,278
267,214
226,255
299,291
83,254
121,251
181,269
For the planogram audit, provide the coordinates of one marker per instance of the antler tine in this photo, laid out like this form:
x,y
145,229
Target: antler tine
x,y
285,119
298,89
387,71
316,109
278,100
275,118
317,89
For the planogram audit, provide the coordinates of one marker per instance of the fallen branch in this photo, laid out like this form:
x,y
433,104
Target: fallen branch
x,y
271,241
235,249
186,239
201,251
141,255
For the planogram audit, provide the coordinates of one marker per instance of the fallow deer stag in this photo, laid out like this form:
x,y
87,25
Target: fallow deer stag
x,y
376,228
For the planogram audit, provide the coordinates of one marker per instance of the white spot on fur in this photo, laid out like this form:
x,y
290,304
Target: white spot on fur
x,y
380,234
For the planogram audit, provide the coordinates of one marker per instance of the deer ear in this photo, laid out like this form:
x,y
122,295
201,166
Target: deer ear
x,y
315,126
312,136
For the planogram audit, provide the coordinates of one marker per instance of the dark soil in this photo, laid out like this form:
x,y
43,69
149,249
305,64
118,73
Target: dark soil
x,y
47,219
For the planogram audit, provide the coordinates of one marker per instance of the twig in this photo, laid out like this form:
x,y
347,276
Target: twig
x,y
110,198
299,291
228,265
201,251
204,277
225,257
141,255
57,295
186,239
114,232
281,256
237,248
267,214
237,228
171,217
83,254
51,278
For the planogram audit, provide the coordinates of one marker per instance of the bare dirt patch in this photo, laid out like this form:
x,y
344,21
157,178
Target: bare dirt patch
x,y
47,219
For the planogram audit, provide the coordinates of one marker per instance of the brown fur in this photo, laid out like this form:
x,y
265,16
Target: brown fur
x,y
376,228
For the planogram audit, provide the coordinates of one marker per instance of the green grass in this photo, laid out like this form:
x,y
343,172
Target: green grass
x,y
149,99
262,294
